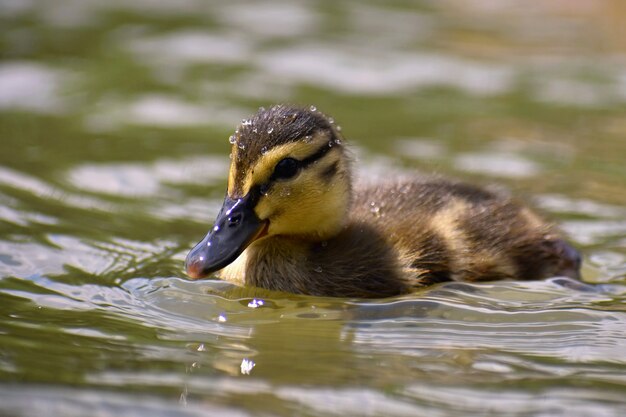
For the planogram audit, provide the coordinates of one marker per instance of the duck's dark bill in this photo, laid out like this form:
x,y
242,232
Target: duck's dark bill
x,y
235,228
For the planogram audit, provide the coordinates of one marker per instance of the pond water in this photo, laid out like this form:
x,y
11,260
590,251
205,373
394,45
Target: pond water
x,y
114,125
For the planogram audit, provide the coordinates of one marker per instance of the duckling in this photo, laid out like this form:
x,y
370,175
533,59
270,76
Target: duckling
x,y
293,221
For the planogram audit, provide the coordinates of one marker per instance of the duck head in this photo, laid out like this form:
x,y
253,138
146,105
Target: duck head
x,y
289,175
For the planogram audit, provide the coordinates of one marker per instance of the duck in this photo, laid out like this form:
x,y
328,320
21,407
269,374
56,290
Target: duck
x,y
295,220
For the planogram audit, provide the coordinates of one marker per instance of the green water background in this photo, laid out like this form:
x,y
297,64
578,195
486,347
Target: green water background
x,y
114,125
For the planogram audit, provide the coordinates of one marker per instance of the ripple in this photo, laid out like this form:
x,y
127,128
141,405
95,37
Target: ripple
x,y
499,334
191,47
116,179
189,209
140,180
26,259
562,204
621,85
30,86
497,164
590,232
270,19
573,93
38,188
42,400
21,217
95,318
554,402
343,402
549,322
391,28
420,148
357,71
577,338
165,111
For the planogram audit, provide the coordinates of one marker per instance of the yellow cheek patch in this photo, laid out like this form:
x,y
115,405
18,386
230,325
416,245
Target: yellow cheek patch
x,y
263,209
306,206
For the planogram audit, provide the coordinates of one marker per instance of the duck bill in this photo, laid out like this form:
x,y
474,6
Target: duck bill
x,y
236,227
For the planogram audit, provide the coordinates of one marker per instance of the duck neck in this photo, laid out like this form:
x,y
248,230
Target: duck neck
x,y
276,263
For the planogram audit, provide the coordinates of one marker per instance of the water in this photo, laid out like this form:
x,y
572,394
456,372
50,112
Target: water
x,y
114,127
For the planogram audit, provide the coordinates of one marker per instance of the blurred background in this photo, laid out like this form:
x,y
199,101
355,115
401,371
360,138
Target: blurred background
x,y
114,125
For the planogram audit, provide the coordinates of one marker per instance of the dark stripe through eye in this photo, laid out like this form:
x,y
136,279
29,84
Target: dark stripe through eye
x,y
288,168
317,155
285,169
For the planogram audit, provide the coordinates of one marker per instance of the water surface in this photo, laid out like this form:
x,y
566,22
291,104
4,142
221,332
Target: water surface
x,y
114,125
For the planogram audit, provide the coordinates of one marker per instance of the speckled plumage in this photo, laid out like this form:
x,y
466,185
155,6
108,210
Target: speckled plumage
x,y
270,128
323,238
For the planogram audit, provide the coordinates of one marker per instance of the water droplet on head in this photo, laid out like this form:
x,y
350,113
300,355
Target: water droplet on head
x,y
313,108
270,130
308,138
331,120
318,269
255,130
246,122
264,150
242,145
291,117
232,139
338,128
375,209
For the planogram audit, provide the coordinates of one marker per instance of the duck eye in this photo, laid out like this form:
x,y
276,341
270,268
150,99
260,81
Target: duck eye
x,y
286,168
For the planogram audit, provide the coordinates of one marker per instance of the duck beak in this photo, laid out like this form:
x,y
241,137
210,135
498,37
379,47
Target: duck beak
x,y
236,227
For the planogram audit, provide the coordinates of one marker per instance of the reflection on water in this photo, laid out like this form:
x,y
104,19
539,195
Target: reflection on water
x,y
115,117
29,86
141,180
497,164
